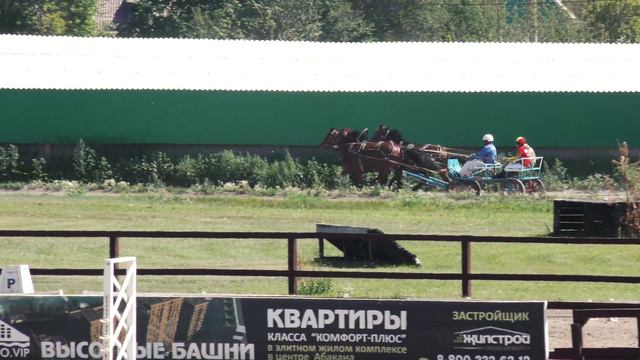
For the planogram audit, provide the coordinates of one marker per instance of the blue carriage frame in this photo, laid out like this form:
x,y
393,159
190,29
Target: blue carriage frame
x,y
519,179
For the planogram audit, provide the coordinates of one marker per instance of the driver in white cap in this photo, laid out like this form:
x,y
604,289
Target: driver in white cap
x,y
487,155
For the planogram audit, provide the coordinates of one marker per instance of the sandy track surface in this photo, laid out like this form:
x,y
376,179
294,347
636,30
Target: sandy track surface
x,y
597,333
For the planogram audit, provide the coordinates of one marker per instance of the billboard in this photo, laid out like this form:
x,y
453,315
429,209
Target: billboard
x,y
280,328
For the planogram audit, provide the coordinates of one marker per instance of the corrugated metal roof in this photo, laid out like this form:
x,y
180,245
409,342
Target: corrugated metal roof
x,y
33,62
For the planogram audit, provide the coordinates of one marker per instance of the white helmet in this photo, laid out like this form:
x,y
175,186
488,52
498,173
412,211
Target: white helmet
x,y
487,137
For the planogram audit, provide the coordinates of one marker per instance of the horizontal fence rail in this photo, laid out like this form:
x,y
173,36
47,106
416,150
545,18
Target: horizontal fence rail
x,y
292,273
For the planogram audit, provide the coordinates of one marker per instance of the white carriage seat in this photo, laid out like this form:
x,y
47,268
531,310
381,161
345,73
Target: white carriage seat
x,y
518,165
486,170
476,168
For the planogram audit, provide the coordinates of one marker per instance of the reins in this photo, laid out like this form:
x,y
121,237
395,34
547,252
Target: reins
x,y
386,159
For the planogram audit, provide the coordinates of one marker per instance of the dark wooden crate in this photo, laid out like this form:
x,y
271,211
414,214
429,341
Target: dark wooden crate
x,y
589,218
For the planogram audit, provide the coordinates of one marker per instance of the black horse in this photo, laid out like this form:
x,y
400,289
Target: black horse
x,y
383,133
417,159
427,159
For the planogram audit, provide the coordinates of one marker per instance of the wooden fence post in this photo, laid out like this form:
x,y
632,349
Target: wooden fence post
x,y
321,248
293,265
576,341
466,268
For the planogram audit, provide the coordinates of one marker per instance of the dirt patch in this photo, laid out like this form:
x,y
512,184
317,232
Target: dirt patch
x,y
597,333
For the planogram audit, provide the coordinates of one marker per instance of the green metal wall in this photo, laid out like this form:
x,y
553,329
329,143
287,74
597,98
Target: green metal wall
x,y
303,118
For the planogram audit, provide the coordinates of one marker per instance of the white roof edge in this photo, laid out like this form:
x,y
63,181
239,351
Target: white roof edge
x,y
540,43
321,91
80,63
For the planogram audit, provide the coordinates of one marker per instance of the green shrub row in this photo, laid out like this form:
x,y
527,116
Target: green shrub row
x,y
222,168
556,178
158,168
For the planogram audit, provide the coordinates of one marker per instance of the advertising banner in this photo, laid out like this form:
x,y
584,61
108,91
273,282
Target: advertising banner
x,y
279,328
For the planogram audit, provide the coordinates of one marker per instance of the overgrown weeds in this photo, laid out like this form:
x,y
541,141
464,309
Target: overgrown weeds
x,y
629,174
10,163
315,287
228,172
556,177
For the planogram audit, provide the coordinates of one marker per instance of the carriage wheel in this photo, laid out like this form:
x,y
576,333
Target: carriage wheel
x,y
514,186
461,186
535,186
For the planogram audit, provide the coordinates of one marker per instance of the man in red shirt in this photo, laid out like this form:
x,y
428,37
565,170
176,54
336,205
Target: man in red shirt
x,y
525,158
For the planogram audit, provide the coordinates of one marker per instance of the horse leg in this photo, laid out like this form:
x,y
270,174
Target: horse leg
x,y
383,177
444,174
397,178
356,179
353,178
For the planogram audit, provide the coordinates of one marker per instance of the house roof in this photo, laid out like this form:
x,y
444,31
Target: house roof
x,y
40,62
112,11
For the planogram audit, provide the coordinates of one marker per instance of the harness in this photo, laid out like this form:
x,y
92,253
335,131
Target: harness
x,y
355,148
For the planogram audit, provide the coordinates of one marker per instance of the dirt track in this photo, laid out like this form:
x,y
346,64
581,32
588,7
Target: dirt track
x,y
597,333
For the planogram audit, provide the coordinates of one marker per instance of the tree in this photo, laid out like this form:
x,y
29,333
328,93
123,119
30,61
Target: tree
x,y
313,20
80,17
423,21
470,22
613,21
154,18
543,21
341,22
404,20
433,20
223,22
284,20
556,25
48,17
216,19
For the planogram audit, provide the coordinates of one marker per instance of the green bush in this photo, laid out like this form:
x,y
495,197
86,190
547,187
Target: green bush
x,y
315,287
206,171
103,171
316,175
227,171
282,173
84,162
220,168
594,183
37,169
186,171
556,176
312,174
155,169
87,168
10,163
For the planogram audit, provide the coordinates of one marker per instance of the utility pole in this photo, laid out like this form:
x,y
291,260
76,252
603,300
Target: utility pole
x,y
569,13
533,6
498,23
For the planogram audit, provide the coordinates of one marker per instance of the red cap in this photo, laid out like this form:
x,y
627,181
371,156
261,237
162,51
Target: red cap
x,y
521,140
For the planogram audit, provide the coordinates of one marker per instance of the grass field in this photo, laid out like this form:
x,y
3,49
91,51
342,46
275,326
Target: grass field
x,y
401,213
